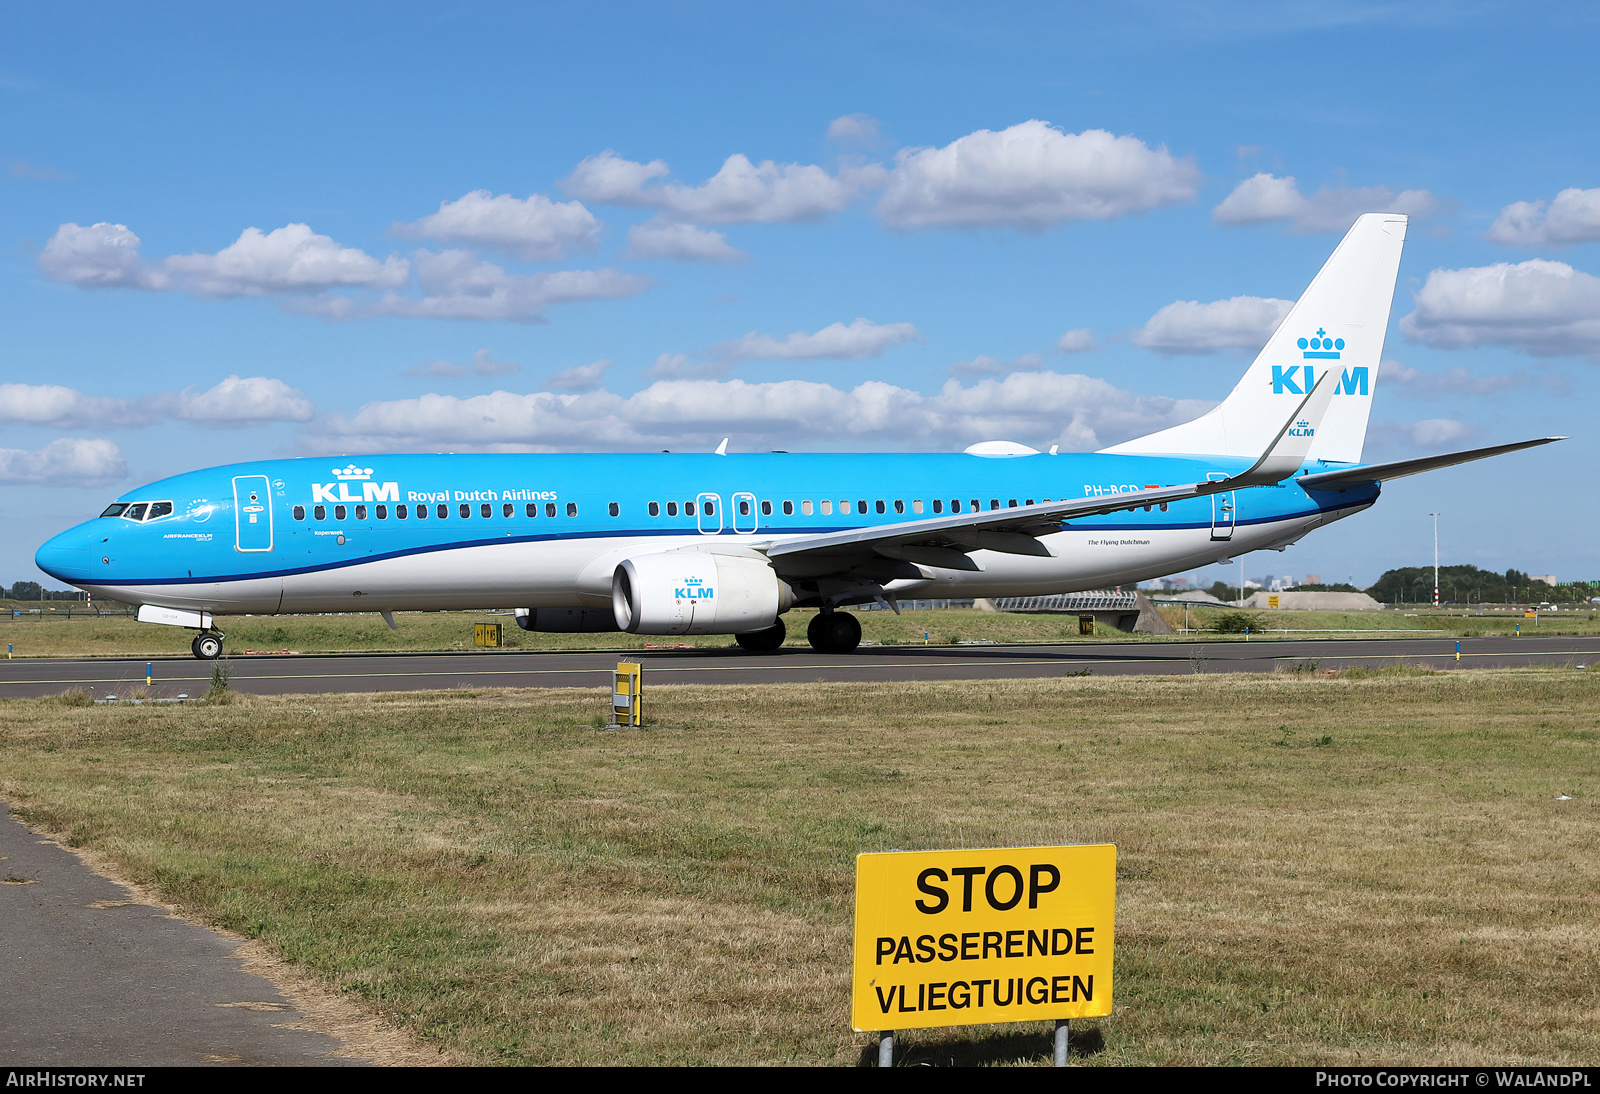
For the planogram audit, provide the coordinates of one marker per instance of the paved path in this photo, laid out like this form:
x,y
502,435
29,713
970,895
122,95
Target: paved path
x,y
509,668
90,979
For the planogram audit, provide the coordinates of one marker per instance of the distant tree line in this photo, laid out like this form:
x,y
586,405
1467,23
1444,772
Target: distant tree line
x,y
32,590
1470,585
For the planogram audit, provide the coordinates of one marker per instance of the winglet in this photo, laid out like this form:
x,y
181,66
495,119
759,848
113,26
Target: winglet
x,y
722,449
1288,449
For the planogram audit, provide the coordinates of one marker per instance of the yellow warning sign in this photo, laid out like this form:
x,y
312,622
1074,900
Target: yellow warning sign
x,y
486,634
953,938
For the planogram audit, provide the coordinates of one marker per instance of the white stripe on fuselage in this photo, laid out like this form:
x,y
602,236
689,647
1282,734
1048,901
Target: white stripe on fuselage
x,y
577,572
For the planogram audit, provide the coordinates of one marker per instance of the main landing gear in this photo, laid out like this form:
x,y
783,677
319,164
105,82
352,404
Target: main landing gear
x,y
207,645
763,641
834,632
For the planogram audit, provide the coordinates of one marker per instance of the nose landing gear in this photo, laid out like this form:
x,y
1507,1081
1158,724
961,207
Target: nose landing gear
x,y
207,645
834,632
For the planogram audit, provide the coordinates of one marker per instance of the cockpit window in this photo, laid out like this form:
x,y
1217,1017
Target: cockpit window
x,y
159,509
115,509
136,511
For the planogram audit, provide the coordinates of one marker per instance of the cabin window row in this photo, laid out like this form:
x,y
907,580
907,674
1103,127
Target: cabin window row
x,y
861,506
708,508
440,511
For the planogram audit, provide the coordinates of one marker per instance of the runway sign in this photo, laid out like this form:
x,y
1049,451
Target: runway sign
x,y
486,634
955,938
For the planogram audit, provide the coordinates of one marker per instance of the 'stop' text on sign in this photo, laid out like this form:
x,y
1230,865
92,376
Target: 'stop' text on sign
x,y
950,938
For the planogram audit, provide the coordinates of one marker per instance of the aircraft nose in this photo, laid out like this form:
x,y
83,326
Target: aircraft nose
x,y
67,556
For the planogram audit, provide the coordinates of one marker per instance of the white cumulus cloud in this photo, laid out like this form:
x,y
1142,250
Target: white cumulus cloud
x,y
659,238
859,339
1573,217
1264,197
1541,307
1188,326
1459,381
291,259
860,130
740,193
243,401
1430,434
1032,176
581,377
52,404
315,275
234,401
67,461
1077,340
460,285
1040,408
101,256
533,228
984,365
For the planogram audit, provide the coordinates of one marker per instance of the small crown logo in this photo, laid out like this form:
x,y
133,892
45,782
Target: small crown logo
x,y
1321,347
354,472
693,581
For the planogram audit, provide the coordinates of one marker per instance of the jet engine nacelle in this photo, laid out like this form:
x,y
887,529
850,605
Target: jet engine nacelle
x,y
694,592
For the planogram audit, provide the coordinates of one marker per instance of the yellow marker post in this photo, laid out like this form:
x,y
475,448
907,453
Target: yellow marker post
x,y
486,634
627,696
1016,934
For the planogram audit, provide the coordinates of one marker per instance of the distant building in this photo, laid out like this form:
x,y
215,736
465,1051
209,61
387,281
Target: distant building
x,y
1312,579
1548,579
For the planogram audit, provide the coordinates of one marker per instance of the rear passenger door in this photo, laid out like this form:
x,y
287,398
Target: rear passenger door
x,y
708,514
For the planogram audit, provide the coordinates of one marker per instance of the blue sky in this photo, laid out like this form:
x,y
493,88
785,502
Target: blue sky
x,y
328,229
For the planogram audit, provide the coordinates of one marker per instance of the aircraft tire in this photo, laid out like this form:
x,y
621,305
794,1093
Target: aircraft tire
x,y
834,632
763,641
207,646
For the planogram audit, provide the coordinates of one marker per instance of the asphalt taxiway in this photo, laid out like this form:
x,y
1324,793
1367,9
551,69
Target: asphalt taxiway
x,y
96,977
288,674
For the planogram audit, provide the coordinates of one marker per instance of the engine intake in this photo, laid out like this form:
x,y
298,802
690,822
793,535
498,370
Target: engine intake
x,y
694,592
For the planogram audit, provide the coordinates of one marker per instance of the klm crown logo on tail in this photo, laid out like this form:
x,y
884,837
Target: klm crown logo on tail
x,y
1300,379
1322,346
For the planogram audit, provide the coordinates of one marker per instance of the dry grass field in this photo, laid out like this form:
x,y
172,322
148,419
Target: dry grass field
x,y
1368,868
53,635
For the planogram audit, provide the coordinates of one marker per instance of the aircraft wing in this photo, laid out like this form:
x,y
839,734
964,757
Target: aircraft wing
x,y
1383,472
945,541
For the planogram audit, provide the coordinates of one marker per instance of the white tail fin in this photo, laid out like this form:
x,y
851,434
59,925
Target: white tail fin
x,y
1337,326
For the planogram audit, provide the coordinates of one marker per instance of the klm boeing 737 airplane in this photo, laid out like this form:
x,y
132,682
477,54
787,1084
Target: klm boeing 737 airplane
x,y
726,544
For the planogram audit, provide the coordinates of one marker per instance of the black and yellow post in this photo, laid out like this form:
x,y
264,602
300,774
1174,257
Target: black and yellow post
x,y
627,695
1086,626
486,635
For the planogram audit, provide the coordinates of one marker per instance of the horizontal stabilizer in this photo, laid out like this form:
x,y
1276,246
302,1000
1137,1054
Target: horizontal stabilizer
x,y
1383,472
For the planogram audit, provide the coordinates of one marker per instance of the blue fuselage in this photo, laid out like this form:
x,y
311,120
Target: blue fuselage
x,y
475,531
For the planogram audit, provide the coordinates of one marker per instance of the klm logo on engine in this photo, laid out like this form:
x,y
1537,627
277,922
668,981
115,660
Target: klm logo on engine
x,y
694,588
1300,379
1302,428
333,493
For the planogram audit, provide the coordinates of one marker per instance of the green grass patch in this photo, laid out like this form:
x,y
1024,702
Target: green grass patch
x,y
1314,869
